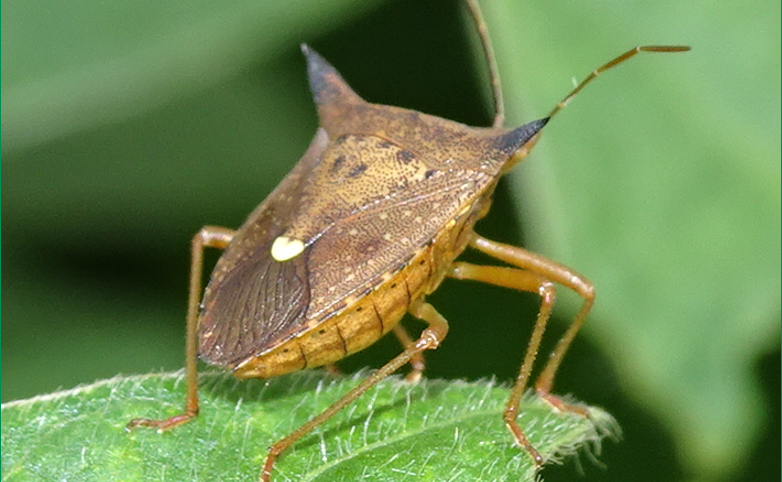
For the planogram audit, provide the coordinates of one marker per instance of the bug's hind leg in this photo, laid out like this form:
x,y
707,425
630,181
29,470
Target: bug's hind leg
x,y
430,339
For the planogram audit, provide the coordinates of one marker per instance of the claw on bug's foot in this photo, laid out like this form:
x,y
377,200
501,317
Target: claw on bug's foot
x,y
563,406
160,425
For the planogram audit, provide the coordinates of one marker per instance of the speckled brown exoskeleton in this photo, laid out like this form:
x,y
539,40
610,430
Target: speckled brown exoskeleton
x,y
365,226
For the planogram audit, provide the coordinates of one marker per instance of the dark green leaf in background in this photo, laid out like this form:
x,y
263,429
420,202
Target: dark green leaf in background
x,y
664,188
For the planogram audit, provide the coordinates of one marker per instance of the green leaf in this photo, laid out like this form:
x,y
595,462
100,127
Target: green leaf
x,y
434,430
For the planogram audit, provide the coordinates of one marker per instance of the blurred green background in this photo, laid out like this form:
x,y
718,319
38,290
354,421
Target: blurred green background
x,y
126,126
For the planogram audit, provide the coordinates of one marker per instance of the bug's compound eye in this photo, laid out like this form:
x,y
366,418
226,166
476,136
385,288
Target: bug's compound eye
x,y
285,248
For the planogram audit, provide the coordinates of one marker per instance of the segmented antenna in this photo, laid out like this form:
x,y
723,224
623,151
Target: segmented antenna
x,y
494,75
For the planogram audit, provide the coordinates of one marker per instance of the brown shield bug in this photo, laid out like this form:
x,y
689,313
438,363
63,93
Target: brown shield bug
x,y
365,226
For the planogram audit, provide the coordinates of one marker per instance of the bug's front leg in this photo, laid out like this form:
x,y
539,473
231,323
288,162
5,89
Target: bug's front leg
x,y
531,273
207,237
553,272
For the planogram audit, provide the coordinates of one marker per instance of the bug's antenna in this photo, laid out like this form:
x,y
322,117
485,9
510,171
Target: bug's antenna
x,y
496,87
613,63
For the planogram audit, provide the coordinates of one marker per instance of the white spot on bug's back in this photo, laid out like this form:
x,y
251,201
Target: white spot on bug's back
x,y
285,248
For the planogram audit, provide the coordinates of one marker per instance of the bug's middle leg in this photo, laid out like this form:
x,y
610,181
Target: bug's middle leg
x,y
417,362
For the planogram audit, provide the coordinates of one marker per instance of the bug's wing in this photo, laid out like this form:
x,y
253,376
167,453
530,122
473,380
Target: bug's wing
x,y
411,203
376,184
251,297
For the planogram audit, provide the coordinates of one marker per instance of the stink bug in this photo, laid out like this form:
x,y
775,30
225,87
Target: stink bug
x,y
365,226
